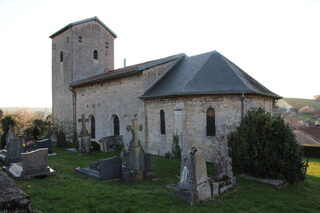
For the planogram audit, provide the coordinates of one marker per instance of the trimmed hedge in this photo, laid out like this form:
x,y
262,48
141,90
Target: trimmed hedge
x,y
264,146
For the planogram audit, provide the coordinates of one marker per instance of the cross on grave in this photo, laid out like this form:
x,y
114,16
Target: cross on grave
x,y
134,128
84,131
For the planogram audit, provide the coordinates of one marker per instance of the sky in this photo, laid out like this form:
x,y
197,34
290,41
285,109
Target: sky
x,y
277,42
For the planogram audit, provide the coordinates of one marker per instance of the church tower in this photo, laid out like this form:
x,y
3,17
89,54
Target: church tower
x,y
79,50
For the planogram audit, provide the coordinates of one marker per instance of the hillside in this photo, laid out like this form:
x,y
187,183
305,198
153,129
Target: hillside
x,y
31,109
297,103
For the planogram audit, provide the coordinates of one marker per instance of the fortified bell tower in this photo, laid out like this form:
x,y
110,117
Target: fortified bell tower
x,y
79,50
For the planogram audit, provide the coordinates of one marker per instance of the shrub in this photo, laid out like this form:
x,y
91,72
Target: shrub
x,y
95,146
168,155
6,122
176,150
264,146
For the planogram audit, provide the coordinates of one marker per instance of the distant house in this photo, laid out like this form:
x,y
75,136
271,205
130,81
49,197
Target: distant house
x,y
306,110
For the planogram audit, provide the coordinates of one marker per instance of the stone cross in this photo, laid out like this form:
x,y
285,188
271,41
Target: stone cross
x,y
134,128
84,131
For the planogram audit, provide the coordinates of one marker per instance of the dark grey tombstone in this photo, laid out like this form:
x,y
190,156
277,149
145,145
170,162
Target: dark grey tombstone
x,y
106,169
14,150
46,143
110,143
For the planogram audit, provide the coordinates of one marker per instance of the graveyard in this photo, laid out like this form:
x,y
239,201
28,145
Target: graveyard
x,y
70,192
81,179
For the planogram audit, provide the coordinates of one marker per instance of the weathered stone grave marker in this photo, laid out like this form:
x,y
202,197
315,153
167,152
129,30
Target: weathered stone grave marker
x,y
84,136
194,184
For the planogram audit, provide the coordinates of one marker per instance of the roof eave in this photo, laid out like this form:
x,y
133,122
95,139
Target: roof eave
x,y
119,75
206,93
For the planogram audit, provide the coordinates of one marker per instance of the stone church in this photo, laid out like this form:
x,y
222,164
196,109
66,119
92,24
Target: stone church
x,y
198,98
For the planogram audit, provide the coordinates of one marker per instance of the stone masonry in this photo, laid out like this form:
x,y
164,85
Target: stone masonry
x,y
77,45
186,117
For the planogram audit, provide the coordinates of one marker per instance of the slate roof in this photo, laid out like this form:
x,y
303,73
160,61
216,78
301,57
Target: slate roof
x,y
95,18
134,69
206,74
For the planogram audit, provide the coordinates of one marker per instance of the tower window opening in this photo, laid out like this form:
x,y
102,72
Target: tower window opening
x,y
61,56
95,54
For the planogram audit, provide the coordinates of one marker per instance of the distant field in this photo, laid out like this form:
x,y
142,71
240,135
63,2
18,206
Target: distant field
x,y
35,109
297,103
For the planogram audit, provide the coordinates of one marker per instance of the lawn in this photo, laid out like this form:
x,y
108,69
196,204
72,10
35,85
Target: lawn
x,y
70,192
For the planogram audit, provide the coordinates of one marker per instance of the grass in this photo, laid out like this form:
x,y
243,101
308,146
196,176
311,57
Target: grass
x,y
70,192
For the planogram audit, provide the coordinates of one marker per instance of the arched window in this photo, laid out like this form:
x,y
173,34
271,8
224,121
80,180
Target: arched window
x,y
93,126
162,123
211,122
116,125
95,54
61,56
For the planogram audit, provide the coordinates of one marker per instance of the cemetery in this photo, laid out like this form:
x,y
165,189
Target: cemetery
x,y
131,180
70,192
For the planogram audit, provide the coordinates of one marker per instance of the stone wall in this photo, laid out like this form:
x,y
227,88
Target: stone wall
x,y
61,77
117,97
77,45
93,37
186,117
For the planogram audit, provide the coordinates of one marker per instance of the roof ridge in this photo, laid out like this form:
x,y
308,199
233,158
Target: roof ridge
x,y
80,22
203,65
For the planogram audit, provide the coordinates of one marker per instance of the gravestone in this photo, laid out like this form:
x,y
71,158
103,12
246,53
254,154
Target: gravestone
x,y
132,165
194,184
84,136
223,178
10,135
106,169
14,150
133,168
53,138
12,153
45,143
32,164
110,143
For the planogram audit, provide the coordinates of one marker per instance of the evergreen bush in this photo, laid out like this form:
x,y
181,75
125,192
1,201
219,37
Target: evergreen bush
x,y
264,146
